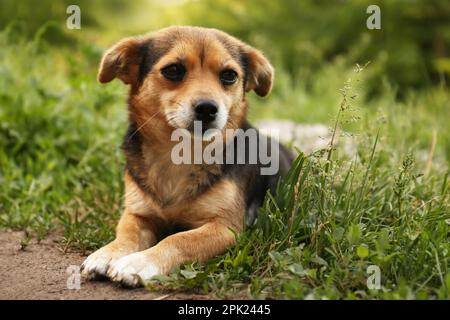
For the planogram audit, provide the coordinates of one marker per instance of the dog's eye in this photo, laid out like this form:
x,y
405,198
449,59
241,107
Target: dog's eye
x,y
228,77
174,72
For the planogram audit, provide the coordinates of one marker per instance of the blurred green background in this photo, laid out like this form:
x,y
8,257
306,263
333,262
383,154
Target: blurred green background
x,y
411,50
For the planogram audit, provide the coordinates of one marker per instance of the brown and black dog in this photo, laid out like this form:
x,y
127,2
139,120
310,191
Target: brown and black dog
x,y
176,213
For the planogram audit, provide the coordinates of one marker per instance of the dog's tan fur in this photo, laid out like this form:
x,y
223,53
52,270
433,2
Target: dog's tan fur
x,y
161,197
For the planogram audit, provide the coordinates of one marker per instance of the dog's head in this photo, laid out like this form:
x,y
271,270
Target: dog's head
x,y
182,74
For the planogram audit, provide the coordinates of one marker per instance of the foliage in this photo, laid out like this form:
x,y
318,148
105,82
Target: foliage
x,y
58,135
329,221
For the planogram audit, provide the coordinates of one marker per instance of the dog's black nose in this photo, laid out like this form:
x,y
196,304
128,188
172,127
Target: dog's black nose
x,y
205,111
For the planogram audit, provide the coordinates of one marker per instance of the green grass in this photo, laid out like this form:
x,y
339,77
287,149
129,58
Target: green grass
x,y
333,216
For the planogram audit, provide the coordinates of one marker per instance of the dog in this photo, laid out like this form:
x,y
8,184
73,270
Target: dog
x,y
178,213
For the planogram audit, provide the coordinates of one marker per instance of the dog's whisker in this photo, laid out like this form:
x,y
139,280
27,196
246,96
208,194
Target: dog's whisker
x,y
142,125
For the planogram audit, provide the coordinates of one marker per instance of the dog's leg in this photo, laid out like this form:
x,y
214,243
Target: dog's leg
x,y
134,233
199,244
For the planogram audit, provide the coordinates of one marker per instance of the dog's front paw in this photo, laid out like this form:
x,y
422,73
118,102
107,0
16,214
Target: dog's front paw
x,y
97,263
133,270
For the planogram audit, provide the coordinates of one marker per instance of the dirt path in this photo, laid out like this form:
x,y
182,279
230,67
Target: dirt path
x,y
40,272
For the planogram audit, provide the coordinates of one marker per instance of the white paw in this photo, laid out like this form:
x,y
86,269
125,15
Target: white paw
x,y
133,270
98,262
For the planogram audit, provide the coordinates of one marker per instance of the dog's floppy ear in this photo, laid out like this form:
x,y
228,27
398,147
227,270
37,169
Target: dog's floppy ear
x,y
259,71
122,61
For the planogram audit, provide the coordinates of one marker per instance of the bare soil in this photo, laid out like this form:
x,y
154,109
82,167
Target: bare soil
x,y
39,271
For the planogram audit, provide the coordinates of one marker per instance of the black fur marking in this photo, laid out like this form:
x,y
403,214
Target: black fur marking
x,y
249,178
132,147
150,54
132,140
144,67
202,54
243,59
